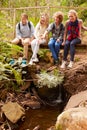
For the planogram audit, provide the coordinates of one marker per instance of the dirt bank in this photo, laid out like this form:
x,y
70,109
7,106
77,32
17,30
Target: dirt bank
x,y
76,78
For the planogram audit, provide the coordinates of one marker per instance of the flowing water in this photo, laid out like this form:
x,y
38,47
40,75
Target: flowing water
x,y
45,117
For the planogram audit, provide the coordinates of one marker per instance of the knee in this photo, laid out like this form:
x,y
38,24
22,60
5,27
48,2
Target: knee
x,y
25,44
72,43
15,41
33,43
57,44
50,44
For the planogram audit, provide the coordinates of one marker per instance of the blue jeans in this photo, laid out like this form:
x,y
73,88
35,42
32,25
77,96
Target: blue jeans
x,y
54,47
71,45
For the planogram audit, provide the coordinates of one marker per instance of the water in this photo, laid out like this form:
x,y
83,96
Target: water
x,y
45,117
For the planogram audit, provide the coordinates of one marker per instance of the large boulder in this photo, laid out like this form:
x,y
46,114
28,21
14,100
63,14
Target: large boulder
x,y
72,119
79,99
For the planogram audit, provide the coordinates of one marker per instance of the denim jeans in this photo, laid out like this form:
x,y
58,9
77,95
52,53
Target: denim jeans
x,y
71,45
54,47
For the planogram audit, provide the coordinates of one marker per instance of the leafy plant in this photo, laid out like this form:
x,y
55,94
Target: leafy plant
x,y
49,80
8,73
8,51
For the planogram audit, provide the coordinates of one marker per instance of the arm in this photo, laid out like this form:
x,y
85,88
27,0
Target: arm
x,y
36,30
82,26
32,30
65,34
49,29
61,32
18,33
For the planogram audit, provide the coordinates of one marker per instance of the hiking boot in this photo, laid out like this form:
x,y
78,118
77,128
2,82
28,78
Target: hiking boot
x,y
70,64
63,65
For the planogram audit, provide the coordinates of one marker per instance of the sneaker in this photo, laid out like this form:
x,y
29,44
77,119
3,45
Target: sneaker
x,y
35,60
31,62
56,62
63,65
12,61
24,62
70,64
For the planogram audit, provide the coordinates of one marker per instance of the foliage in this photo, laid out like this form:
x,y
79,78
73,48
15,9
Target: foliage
x,y
50,80
42,53
6,27
7,51
7,30
72,2
8,72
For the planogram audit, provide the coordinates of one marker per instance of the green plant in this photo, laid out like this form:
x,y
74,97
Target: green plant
x,y
42,53
50,79
9,73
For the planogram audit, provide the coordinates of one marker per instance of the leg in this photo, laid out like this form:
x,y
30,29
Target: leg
x,y
26,43
57,48
66,50
33,44
72,48
35,48
15,41
51,45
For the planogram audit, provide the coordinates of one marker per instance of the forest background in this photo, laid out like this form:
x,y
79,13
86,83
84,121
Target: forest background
x,y
10,11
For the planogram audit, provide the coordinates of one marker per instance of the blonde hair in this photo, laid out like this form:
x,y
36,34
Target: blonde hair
x,y
46,17
24,15
73,12
59,15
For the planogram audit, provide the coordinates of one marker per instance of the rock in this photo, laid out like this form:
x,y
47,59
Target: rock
x,y
72,119
13,111
77,100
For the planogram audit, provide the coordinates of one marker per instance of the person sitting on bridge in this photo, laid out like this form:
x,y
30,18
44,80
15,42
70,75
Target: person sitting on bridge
x,y
39,31
24,35
57,30
72,36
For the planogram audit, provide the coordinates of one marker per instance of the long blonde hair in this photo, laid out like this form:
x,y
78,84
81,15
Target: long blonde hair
x,y
73,12
46,17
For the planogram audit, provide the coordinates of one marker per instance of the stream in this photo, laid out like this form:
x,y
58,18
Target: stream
x,y
45,117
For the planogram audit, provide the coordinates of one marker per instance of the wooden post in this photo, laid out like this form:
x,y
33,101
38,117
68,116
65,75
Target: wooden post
x,y
14,22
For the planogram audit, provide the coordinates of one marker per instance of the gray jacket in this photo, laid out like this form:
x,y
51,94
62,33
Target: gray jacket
x,y
24,31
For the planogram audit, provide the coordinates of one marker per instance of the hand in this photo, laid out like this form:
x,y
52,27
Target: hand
x,y
63,43
58,40
43,36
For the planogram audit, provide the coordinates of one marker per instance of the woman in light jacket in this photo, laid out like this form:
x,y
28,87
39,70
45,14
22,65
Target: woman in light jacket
x,y
39,31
